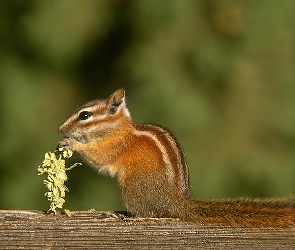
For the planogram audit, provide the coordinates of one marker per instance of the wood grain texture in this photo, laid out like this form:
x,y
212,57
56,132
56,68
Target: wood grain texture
x,y
23,229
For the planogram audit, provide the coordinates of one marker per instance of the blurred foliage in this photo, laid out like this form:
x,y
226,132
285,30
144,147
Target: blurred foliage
x,y
219,74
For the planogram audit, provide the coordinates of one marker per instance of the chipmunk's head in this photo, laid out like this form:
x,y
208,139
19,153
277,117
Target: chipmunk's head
x,y
97,118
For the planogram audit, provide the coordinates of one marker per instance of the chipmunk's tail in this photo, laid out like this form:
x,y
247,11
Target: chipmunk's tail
x,y
243,212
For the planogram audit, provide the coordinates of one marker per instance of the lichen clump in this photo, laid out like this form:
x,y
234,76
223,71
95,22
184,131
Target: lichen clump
x,y
54,165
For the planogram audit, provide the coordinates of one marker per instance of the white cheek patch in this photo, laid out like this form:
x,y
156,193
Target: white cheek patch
x,y
90,119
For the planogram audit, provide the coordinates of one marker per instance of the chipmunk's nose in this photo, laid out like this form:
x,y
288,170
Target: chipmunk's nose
x,y
62,128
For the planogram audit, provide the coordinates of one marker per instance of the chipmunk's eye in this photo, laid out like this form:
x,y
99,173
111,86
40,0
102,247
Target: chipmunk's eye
x,y
84,115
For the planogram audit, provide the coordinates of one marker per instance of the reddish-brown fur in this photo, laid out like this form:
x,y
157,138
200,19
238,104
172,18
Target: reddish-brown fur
x,y
151,169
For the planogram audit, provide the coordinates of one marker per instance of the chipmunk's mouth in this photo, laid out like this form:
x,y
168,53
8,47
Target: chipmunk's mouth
x,y
80,138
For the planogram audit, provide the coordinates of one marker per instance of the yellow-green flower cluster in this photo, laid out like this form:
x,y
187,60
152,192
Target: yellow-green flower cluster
x,y
54,166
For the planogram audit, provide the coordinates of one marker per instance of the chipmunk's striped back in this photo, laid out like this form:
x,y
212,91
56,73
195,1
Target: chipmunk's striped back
x,y
172,155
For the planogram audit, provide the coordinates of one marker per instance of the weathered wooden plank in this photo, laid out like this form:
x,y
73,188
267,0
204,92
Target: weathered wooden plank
x,y
94,230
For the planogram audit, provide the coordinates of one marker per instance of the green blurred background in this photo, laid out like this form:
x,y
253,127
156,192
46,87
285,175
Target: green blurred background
x,y
219,74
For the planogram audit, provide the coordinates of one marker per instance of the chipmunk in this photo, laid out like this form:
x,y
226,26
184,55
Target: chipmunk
x,y
151,168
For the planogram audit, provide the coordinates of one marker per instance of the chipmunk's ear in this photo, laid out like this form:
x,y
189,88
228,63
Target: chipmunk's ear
x,y
116,101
